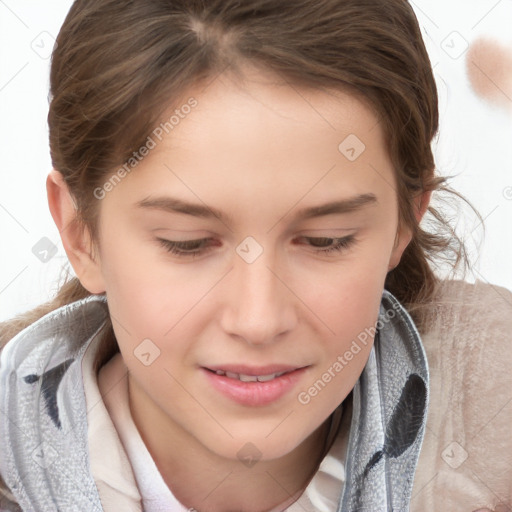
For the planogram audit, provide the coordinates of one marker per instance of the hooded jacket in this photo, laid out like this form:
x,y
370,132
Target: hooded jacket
x,y
44,439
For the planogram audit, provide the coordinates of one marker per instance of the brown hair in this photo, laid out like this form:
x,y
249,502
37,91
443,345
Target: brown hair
x,y
117,63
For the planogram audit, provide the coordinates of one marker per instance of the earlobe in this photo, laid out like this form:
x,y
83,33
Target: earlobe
x,y
75,239
421,203
402,240
404,234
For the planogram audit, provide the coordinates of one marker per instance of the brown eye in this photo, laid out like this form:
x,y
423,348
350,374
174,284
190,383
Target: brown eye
x,y
186,247
325,245
321,242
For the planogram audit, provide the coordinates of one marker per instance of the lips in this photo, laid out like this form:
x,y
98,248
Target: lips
x,y
254,386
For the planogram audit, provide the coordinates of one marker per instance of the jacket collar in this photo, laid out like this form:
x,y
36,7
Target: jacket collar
x,y
43,413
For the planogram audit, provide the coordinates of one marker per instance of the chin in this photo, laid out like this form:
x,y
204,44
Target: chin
x,y
254,446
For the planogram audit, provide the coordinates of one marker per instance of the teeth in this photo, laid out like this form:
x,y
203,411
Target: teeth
x,y
265,378
249,378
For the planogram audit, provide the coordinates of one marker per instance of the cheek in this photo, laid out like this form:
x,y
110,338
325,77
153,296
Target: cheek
x,y
346,300
351,313
346,295
146,294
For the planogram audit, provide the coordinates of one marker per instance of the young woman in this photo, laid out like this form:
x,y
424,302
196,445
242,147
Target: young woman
x,y
255,324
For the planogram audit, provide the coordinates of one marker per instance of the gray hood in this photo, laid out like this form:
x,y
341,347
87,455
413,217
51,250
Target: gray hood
x,y
44,457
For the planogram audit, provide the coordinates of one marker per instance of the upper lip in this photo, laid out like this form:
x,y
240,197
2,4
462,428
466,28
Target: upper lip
x,y
254,370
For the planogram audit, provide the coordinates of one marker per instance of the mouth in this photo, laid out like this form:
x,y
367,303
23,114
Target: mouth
x,y
254,386
249,378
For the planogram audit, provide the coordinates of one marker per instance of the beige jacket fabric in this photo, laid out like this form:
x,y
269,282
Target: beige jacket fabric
x,y
466,457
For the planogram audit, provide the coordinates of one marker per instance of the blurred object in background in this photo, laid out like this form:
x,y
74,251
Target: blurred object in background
x,y
489,68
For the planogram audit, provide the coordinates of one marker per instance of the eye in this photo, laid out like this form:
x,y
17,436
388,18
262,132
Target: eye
x,y
325,245
193,248
188,248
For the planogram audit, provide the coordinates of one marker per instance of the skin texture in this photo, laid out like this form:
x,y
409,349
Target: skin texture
x,y
489,69
259,153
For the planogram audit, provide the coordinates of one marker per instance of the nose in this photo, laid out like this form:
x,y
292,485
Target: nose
x,y
258,308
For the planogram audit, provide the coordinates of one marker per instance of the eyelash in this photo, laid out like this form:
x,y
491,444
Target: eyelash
x,y
182,249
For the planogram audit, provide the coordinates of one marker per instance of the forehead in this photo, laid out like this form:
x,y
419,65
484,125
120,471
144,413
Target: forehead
x,y
260,102
260,136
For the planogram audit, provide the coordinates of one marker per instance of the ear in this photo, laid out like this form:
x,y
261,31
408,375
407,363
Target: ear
x,y
76,240
404,234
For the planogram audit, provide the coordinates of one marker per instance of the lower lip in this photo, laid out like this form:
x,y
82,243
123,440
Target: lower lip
x,y
255,393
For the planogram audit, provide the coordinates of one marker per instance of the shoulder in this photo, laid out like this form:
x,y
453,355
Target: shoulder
x,y
467,334
460,301
465,459
470,319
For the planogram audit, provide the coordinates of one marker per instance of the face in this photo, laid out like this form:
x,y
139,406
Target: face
x,y
253,239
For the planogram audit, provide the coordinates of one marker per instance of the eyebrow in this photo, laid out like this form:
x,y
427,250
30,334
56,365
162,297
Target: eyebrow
x,y
175,205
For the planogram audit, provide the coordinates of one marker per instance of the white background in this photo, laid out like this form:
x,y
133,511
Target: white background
x,y
475,143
